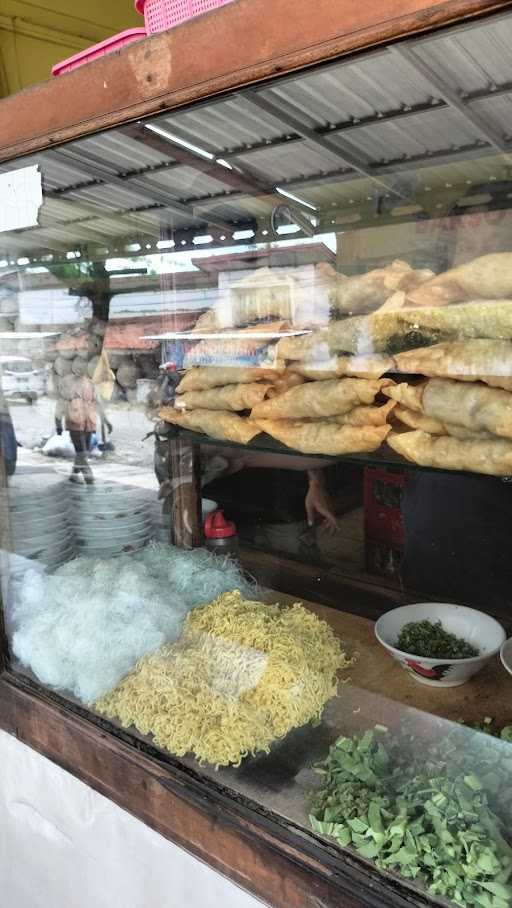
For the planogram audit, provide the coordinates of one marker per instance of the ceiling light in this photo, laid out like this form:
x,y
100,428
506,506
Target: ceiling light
x,y
288,228
177,141
295,198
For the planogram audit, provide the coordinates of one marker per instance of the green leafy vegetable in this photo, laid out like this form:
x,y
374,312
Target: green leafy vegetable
x,y
429,639
412,338
439,813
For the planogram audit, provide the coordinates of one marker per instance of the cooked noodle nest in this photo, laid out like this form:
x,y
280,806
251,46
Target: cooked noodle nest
x,y
242,675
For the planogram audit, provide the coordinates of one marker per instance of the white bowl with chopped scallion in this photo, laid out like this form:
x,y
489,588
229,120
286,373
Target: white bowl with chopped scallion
x,y
438,643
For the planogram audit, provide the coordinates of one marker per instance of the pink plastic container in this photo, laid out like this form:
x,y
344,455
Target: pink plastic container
x,y
162,14
116,42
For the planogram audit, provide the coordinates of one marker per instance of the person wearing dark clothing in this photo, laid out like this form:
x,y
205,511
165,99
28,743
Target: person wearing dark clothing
x,y
458,538
8,443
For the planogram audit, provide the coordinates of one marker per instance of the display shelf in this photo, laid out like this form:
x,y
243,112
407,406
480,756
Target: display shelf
x,y
384,457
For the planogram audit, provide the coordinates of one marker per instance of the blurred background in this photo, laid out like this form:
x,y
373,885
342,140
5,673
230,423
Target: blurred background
x,y
35,34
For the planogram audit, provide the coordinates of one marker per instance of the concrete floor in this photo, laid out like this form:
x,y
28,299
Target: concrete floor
x,y
33,422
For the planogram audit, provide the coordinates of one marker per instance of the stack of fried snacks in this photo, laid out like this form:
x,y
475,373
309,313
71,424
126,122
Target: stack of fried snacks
x,y
210,400
215,423
452,330
332,417
367,292
459,425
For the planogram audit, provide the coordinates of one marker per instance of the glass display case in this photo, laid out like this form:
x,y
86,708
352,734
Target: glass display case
x,y
256,429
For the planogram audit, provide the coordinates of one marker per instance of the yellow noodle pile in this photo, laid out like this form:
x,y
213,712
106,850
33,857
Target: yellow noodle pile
x,y
242,675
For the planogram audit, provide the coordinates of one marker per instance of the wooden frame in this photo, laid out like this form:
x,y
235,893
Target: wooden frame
x,y
240,45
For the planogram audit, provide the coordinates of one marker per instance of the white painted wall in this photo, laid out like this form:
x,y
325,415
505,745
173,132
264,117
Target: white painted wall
x,y
63,845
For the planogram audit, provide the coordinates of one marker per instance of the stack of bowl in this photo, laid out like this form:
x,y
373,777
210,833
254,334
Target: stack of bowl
x,y
110,519
39,522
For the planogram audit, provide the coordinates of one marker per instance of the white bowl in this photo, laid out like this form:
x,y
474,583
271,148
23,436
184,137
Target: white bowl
x,y
506,654
484,632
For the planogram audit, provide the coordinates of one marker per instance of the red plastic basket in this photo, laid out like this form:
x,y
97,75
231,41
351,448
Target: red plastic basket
x,y
116,42
162,14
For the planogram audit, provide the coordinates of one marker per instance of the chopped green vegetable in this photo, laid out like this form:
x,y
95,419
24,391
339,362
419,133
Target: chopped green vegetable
x,y
439,813
429,639
412,338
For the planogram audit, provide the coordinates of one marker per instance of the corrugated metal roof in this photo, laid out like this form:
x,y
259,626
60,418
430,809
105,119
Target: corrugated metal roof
x,y
120,151
113,198
432,131
223,125
55,175
185,183
471,58
291,161
339,93
376,111
497,111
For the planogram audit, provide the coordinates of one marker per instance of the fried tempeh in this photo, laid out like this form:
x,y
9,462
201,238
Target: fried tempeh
x,y
203,378
323,437
231,397
370,366
471,405
416,420
488,277
215,423
493,457
486,360
320,399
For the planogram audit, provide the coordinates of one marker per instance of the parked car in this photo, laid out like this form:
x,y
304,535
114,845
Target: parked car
x,y
20,379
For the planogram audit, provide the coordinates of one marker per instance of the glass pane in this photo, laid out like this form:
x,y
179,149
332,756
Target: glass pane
x,y
259,351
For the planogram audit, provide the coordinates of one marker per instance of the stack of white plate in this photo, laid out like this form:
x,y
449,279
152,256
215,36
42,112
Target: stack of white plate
x,y
161,521
39,521
110,519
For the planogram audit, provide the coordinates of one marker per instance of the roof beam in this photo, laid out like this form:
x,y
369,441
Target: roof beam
x,y
336,129
378,118
444,156
292,121
236,179
106,174
449,95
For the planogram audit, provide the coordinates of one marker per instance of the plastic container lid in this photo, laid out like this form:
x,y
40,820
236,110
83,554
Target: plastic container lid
x,y
115,42
217,527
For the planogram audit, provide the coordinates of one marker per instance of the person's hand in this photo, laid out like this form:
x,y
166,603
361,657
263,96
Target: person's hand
x,y
318,502
110,427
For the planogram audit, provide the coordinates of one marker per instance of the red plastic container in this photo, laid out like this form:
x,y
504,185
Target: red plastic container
x,y
383,521
116,42
384,531
162,14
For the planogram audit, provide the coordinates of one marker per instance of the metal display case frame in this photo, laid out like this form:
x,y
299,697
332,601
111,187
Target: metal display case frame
x,y
244,43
